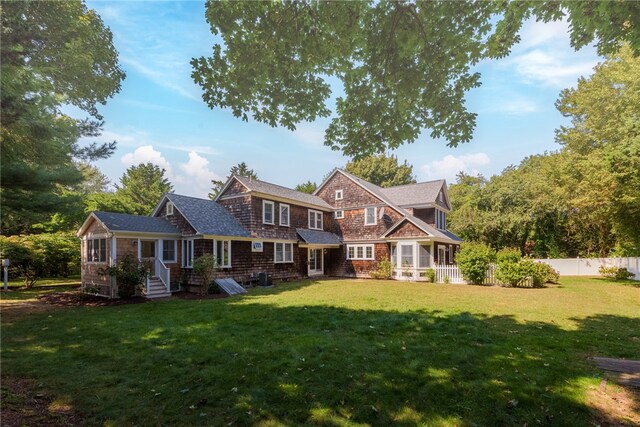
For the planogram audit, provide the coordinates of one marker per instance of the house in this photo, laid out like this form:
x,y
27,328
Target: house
x,y
344,229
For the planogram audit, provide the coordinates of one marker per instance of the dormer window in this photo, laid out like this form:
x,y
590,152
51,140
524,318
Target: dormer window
x,y
169,208
339,194
441,219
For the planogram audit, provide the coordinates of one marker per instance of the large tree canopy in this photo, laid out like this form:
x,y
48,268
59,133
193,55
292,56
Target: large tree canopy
x,y
141,188
240,169
382,170
404,66
53,53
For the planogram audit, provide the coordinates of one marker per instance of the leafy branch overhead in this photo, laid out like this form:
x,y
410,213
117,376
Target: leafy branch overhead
x,y
404,66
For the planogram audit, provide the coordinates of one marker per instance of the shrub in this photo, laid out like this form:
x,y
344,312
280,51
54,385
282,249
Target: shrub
x,y
205,267
130,275
384,271
430,273
506,255
26,259
615,273
547,273
623,274
473,260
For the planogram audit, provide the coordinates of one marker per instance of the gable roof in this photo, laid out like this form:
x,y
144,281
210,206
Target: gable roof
x,y
430,230
131,223
206,216
415,194
318,237
279,191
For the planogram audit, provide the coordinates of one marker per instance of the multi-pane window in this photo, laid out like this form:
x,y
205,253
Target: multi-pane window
x,y
424,257
406,255
222,253
97,250
359,252
187,253
370,216
441,219
315,220
267,212
284,214
283,252
169,250
339,214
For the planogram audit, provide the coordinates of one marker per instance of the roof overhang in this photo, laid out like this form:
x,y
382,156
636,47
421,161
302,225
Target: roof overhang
x,y
399,222
291,201
85,224
317,246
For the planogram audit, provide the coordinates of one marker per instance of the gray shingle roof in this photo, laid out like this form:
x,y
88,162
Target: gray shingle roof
x,y
283,192
414,194
135,223
318,237
444,234
207,216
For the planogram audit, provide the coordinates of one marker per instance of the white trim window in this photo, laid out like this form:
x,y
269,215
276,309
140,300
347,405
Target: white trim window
x,y
370,217
406,256
315,220
187,253
360,252
441,220
339,214
284,214
282,252
339,194
222,253
169,208
96,250
169,250
268,209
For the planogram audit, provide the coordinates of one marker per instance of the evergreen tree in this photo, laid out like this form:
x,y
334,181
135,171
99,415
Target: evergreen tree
x,y
141,188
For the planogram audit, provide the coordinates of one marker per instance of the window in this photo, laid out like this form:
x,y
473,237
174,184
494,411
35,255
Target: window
x,y
359,252
222,253
339,214
267,212
284,214
406,255
441,196
169,208
451,254
97,250
169,250
283,252
338,194
424,257
370,216
187,253
315,220
441,219
394,255
256,247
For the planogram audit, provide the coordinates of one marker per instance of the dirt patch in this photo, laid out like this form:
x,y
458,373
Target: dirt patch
x,y
614,405
25,404
78,299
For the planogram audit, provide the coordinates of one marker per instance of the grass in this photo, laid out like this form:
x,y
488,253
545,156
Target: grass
x,y
48,281
339,352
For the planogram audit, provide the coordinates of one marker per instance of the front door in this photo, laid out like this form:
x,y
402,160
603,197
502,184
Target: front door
x,y
316,259
148,253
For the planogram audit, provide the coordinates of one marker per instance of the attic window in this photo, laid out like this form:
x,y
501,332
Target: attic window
x,y
441,197
338,194
169,208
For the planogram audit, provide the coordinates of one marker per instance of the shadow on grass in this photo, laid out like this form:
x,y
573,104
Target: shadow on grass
x,y
215,362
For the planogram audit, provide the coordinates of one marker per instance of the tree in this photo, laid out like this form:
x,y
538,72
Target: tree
x,y
53,53
241,169
307,187
404,66
141,187
382,170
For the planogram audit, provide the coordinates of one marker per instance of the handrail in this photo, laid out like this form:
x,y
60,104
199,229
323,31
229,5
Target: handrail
x,y
163,272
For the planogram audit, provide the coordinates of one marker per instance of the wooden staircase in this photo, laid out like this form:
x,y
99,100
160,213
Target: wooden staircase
x,y
157,289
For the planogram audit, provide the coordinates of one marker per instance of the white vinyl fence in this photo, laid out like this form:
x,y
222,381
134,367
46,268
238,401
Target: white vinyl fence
x,y
590,266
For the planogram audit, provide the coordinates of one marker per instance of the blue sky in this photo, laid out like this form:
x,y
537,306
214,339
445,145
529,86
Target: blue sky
x,y
159,116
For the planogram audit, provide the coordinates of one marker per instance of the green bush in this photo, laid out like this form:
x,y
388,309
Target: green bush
x,y
130,275
26,259
507,255
384,271
430,273
205,267
547,273
473,260
615,273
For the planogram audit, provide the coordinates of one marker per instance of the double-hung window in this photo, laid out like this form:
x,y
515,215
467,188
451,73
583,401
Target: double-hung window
x,y
284,214
187,253
441,219
360,252
315,220
267,212
283,252
222,253
97,250
370,216
406,255
169,250
340,214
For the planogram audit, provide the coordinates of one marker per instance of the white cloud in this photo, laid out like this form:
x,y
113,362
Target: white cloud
x,y
449,166
197,175
146,154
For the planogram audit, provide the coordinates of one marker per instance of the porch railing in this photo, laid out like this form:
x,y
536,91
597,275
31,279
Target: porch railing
x,y
163,273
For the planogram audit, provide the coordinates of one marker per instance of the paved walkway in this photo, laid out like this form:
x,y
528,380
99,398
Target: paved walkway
x,y
622,371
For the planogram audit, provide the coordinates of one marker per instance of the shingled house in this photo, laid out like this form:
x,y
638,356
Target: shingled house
x,y
344,229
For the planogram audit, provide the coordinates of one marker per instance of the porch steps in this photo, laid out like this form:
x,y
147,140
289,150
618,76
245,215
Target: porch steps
x,y
157,289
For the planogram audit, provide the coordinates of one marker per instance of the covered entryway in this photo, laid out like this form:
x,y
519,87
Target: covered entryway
x,y
317,243
315,265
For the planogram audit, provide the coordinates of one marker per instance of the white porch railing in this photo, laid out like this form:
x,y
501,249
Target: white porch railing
x,y
443,273
163,273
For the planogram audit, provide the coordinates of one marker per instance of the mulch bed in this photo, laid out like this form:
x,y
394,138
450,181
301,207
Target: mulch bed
x,y
192,295
78,299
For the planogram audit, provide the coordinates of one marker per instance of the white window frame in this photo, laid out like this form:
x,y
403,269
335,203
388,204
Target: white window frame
x,y
441,219
215,253
413,255
287,256
375,215
257,246
340,214
90,252
315,214
264,212
186,261
280,206
169,208
359,252
175,251
339,195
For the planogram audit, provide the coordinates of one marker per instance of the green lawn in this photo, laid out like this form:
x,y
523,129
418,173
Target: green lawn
x,y
48,281
340,352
